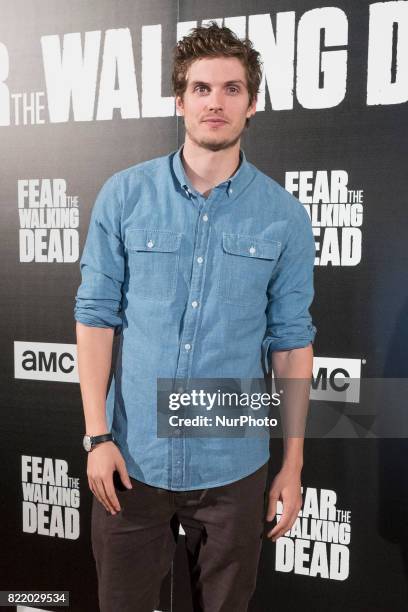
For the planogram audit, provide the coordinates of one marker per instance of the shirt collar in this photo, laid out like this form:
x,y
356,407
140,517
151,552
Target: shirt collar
x,y
232,186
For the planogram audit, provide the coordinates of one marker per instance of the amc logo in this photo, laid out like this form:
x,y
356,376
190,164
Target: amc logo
x,y
45,361
336,379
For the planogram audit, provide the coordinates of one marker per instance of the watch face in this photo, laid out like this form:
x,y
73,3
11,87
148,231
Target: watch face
x,y
87,443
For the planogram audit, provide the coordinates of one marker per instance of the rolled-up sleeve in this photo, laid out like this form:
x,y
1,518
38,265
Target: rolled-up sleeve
x,y
290,291
99,296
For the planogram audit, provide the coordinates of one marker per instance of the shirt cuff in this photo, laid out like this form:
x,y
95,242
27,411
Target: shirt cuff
x,y
286,343
99,318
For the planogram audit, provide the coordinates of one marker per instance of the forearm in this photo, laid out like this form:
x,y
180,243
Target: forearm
x,y
94,351
293,452
296,364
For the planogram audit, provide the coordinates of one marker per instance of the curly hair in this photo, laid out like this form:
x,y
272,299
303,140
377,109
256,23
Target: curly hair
x,y
215,41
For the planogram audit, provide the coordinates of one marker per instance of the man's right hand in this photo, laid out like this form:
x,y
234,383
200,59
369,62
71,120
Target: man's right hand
x,y
103,460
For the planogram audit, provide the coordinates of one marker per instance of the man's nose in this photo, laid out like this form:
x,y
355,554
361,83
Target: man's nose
x,y
215,101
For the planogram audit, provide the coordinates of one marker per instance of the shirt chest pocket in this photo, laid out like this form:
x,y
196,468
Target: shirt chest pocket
x,y
246,266
153,259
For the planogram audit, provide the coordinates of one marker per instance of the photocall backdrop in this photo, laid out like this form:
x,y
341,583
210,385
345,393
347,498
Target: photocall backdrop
x,y
85,91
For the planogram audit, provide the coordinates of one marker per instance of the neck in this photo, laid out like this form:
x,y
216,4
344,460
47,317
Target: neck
x,y
205,168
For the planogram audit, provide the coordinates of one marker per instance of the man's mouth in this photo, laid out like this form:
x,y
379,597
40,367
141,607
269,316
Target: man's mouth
x,y
215,121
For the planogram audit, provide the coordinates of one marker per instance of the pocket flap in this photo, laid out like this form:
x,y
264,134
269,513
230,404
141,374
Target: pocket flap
x,y
163,241
250,246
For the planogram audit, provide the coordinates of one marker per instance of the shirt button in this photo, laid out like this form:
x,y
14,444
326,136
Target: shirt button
x,y
187,347
200,259
150,244
230,190
205,217
194,304
180,389
252,250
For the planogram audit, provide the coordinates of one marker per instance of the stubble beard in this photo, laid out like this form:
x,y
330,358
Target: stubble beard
x,y
214,144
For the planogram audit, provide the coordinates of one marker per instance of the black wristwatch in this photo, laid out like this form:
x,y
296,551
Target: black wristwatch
x,y
89,442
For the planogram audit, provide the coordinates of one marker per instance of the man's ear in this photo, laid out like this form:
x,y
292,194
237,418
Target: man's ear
x,y
179,106
252,107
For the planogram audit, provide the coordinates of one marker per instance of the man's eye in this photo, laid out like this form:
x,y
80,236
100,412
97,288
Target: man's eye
x,y
201,87
234,89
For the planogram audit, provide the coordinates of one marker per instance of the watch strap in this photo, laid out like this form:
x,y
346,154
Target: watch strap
x,y
90,442
102,438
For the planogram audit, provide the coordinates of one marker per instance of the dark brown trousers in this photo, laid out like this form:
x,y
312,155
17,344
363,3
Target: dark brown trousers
x,y
223,526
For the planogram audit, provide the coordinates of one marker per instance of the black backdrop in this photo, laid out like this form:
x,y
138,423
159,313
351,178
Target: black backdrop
x,y
351,118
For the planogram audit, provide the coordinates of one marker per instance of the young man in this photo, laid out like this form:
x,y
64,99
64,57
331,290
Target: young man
x,y
203,266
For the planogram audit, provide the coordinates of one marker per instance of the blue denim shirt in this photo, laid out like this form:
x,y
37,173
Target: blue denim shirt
x,y
196,288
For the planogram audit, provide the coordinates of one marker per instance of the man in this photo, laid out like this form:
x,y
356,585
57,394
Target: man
x,y
203,266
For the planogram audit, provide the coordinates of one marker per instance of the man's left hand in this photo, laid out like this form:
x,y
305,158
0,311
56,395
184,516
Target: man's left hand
x,y
286,487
